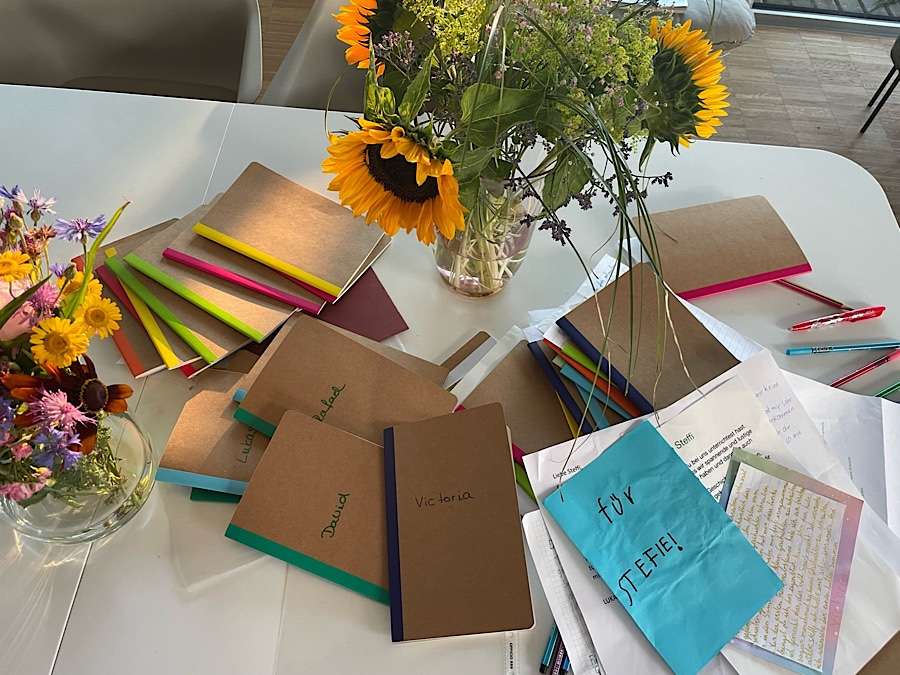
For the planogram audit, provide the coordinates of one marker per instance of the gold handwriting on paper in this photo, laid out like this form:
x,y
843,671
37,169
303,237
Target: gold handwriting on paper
x,y
797,532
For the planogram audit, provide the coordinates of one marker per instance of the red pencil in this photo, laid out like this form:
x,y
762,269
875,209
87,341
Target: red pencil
x,y
815,295
868,368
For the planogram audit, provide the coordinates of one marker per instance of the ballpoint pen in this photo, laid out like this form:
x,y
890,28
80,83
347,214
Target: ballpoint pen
x,y
850,316
815,295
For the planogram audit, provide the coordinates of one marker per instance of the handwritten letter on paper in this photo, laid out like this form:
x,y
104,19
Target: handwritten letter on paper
x,y
805,531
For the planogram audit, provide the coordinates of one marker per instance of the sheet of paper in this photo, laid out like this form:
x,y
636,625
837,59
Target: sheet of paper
x,y
872,611
559,596
674,558
807,532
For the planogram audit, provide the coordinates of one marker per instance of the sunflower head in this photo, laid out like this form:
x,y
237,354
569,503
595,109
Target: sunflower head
x,y
685,85
57,342
99,316
396,181
357,25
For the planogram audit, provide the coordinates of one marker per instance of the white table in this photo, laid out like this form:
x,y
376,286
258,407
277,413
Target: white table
x,y
150,599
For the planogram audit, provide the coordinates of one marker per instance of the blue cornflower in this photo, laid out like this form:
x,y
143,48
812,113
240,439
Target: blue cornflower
x,y
16,194
39,205
55,444
58,269
79,228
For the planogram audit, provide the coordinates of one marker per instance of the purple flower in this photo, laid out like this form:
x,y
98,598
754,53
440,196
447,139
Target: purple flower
x,y
39,205
79,228
14,195
54,446
7,415
54,409
59,269
44,300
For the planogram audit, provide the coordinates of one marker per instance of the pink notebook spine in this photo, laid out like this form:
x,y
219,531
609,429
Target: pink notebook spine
x,y
318,292
240,280
753,280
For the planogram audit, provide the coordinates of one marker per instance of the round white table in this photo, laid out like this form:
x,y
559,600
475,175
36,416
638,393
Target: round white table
x,y
168,593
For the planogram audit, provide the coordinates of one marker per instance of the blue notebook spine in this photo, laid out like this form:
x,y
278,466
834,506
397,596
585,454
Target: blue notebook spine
x,y
619,380
564,394
393,540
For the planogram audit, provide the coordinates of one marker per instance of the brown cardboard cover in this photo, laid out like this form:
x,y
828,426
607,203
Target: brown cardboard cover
x,y
463,352
711,244
207,440
529,400
271,213
313,363
462,563
704,356
295,488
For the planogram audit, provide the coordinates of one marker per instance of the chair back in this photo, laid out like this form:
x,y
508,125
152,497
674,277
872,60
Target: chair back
x,y
895,52
188,48
315,68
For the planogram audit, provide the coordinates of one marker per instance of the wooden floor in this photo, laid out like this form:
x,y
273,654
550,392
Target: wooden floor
x,y
805,88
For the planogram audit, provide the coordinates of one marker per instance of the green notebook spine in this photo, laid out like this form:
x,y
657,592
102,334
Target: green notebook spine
x,y
170,282
317,567
126,277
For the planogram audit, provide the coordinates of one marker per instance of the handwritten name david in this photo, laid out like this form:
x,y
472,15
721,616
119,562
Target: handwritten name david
x,y
330,529
613,508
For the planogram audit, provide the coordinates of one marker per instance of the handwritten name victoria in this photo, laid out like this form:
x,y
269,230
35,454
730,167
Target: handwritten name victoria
x,y
443,498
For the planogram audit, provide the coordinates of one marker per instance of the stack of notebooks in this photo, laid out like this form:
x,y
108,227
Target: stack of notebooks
x,y
347,456
197,290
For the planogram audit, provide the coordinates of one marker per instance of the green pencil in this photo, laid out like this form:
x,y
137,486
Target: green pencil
x,y
887,391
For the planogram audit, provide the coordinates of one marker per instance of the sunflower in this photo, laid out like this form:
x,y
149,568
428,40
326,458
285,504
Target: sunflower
x,y
686,84
99,315
14,266
396,181
356,32
58,342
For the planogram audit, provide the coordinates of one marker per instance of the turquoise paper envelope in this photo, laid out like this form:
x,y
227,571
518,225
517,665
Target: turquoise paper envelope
x,y
675,560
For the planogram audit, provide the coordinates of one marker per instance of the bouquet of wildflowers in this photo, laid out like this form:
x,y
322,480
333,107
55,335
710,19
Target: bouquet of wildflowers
x,y
52,404
468,102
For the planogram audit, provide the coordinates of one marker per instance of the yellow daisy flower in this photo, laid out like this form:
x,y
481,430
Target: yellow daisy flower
x,y
687,74
14,266
393,180
58,342
73,285
99,316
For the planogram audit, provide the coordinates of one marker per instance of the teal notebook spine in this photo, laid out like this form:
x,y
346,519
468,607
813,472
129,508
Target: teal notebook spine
x,y
198,480
303,561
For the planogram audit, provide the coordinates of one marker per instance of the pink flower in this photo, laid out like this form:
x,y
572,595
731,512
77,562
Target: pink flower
x,y
19,491
21,451
53,407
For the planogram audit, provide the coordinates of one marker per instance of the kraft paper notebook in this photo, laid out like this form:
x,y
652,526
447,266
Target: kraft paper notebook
x,y
184,263
722,246
209,449
703,354
276,222
528,399
316,500
456,562
320,372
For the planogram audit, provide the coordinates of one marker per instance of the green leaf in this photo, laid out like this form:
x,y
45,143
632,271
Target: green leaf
x,y
468,163
13,305
488,111
416,93
75,301
569,175
379,100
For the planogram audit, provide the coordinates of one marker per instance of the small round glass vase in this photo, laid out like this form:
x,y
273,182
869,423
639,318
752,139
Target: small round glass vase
x,y
96,497
480,260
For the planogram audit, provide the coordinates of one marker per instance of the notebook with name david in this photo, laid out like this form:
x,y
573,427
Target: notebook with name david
x,y
316,500
316,370
666,548
276,222
455,555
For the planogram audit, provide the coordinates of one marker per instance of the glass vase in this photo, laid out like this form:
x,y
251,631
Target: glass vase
x,y
95,497
480,260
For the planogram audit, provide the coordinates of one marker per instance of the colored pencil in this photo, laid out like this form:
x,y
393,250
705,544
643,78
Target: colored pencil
x,y
887,391
868,368
826,349
815,295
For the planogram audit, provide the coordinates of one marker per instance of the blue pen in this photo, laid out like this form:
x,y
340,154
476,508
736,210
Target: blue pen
x,y
566,666
548,650
824,349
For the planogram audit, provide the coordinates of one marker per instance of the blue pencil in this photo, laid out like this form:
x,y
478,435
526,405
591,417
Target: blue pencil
x,y
824,349
548,650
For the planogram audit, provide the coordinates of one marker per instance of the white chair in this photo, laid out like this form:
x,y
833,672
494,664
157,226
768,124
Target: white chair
x,y
315,69
209,49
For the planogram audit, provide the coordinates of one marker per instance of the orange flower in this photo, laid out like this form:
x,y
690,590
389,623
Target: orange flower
x,y
355,31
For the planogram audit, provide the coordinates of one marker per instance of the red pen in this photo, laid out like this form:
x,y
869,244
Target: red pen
x,y
850,316
815,295
868,368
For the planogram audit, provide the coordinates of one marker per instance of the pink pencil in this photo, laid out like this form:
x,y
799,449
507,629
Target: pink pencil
x,y
240,280
868,368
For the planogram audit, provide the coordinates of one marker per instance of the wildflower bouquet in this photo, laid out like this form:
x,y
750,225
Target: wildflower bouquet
x,y
53,439
482,119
